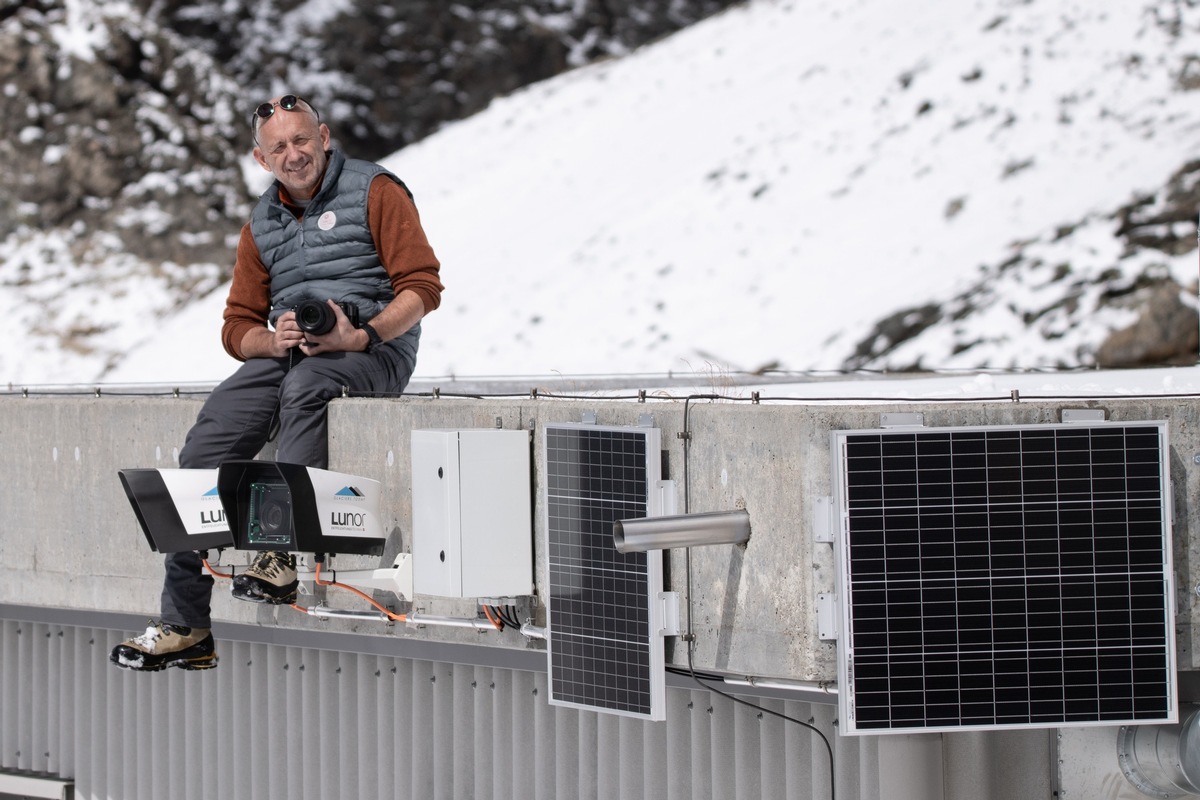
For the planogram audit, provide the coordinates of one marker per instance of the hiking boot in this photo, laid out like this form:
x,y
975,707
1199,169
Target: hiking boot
x,y
163,646
270,579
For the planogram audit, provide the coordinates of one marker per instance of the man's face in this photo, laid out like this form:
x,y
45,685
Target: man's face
x,y
291,146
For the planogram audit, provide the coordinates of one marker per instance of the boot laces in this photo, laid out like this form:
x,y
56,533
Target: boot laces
x,y
269,564
152,635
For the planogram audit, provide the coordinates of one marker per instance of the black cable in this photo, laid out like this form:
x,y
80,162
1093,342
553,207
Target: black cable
x,y
100,391
758,378
506,619
764,710
509,615
690,637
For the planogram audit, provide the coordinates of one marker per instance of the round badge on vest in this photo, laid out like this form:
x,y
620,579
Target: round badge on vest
x,y
326,221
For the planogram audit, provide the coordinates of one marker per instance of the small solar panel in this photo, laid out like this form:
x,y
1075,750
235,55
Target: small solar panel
x,y
604,648
1004,577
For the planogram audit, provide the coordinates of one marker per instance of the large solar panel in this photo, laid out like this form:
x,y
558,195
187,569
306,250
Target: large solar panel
x,y
1004,576
604,648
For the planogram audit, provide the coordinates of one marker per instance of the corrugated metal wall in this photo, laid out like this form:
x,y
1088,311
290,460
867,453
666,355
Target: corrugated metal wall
x,y
276,721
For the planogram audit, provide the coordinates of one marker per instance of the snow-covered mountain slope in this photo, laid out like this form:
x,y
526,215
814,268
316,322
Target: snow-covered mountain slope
x,y
762,188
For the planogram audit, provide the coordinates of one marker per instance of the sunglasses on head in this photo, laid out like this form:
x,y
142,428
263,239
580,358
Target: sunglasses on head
x,y
289,102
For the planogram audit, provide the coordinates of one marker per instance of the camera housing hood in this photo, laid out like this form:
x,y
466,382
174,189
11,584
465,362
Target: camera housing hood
x,y
178,509
272,505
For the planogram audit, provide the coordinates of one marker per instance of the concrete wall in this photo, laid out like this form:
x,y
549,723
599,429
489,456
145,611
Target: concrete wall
x,y
69,541
69,538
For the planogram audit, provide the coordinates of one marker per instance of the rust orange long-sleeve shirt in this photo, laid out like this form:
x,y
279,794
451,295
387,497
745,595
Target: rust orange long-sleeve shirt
x,y
399,238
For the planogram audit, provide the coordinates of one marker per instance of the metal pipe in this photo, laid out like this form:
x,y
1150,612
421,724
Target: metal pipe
x,y
1162,760
325,611
681,530
827,687
532,631
450,622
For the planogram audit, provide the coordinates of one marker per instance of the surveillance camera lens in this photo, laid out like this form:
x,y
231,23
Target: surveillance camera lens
x,y
269,516
272,517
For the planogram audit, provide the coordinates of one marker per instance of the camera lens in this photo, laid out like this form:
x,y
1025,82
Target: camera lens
x,y
269,518
272,516
315,317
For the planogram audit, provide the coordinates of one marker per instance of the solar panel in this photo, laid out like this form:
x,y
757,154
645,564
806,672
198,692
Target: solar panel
x,y
1004,576
604,648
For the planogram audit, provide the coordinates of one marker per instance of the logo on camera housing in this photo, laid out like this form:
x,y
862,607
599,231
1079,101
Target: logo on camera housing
x,y
212,513
346,521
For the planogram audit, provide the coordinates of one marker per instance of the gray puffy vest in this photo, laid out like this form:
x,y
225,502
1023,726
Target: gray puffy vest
x,y
329,253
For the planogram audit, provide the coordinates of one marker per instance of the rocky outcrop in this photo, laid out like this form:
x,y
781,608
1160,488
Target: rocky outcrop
x,y
1165,332
118,132
1122,308
124,184
126,129
386,74
97,99
1167,328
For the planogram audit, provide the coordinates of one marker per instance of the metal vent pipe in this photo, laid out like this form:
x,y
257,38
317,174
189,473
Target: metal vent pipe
x,y
1162,761
682,530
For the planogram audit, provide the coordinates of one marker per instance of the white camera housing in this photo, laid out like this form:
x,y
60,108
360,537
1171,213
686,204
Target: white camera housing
x,y
178,509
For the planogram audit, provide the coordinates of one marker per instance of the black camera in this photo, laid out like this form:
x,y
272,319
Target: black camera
x,y
316,317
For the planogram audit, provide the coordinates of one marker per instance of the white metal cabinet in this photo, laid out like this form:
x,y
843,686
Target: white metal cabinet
x,y
472,514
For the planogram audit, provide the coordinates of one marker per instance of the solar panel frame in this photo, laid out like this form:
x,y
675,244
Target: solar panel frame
x,y
605,651
1004,577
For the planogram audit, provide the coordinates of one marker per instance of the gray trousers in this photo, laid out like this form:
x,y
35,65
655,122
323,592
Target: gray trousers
x,y
237,418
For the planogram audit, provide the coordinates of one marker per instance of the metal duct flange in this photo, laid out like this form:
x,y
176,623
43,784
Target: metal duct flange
x,y
1162,761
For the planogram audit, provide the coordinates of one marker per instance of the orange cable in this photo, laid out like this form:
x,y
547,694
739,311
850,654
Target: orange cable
x,y
209,567
499,625
389,614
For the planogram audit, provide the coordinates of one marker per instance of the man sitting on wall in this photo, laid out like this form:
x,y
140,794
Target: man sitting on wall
x,y
339,231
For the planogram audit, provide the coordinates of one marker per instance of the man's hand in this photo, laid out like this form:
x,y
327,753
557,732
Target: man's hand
x,y
266,343
343,338
287,334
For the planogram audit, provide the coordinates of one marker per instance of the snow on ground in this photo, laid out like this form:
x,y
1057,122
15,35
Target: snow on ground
x,y
759,188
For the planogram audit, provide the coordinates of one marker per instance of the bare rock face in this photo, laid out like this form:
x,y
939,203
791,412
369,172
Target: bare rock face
x,y
126,126
1167,330
125,196
386,74
1124,310
133,125
117,128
